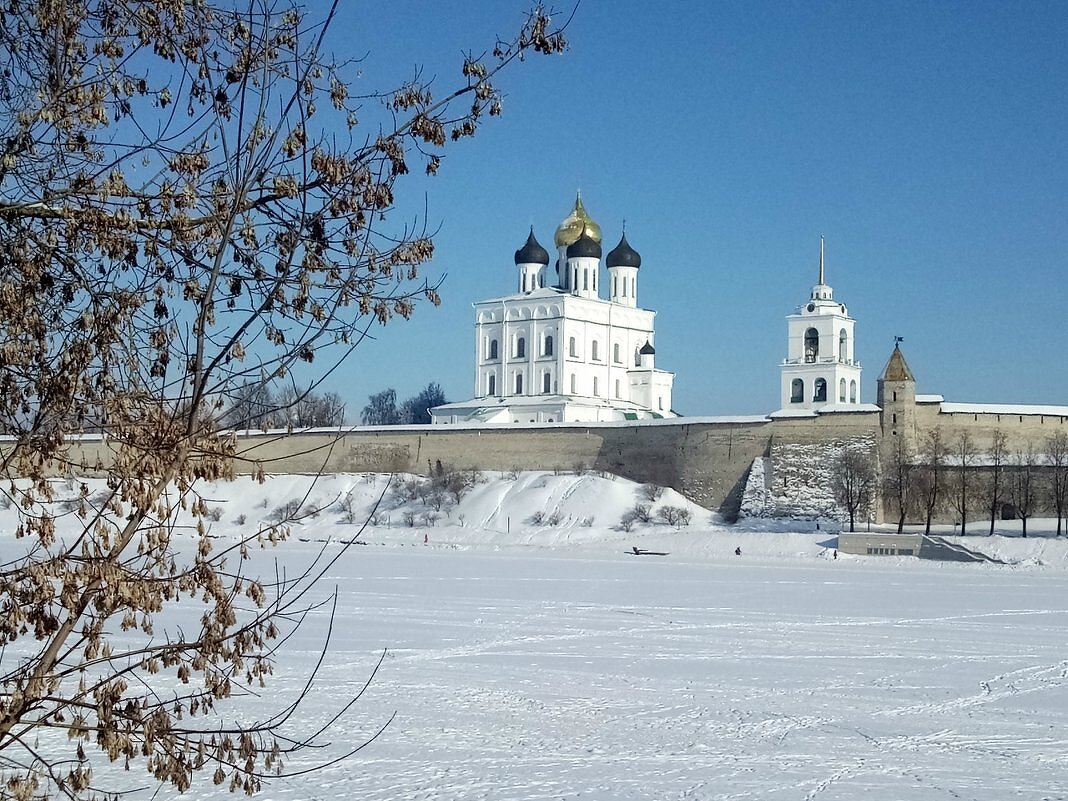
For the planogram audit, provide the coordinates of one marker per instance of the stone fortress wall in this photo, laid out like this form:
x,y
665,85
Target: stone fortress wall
x,y
784,460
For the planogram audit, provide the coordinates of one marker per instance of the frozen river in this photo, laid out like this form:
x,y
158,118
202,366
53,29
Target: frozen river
x,y
528,674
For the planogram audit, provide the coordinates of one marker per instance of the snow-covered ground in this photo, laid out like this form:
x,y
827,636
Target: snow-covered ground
x,y
530,660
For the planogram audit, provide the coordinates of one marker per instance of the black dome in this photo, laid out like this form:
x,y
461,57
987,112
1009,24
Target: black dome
x,y
623,255
584,247
532,252
647,349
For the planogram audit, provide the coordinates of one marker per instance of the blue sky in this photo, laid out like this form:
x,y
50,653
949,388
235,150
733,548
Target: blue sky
x,y
925,141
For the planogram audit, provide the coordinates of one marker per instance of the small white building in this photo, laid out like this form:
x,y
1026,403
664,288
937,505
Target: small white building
x,y
556,351
820,371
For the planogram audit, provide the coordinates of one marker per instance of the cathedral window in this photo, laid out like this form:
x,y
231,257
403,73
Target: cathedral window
x,y
852,391
548,349
842,390
594,351
518,383
520,347
585,279
596,390
491,385
637,358
573,390
572,348
493,350
812,345
633,293
615,352
820,391
617,387
843,346
797,391
546,382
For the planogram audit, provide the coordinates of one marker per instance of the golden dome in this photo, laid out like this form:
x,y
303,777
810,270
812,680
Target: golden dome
x,y
571,228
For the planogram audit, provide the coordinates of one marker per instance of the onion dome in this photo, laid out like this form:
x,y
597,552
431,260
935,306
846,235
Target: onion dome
x,y
647,349
572,226
623,255
584,247
532,252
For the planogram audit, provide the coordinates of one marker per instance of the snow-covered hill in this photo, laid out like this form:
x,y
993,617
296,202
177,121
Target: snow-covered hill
x,y
537,509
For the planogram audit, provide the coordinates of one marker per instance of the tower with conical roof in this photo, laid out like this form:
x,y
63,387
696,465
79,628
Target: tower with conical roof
x,y
896,396
820,368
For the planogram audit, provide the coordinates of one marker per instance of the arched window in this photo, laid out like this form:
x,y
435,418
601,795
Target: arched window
x,y
595,389
546,382
520,347
491,385
797,391
572,348
573,390
615,353
842,390
493,349
820,390
637,358
594,351
614,281
518,383
633,294
812,345
843,346
617,387
852,391
548,350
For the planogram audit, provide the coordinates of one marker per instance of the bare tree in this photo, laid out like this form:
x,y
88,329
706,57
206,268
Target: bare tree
x,y
963,480
192,199
931,475
381,409
853,481
1057,459
997,453
1023,484
899,479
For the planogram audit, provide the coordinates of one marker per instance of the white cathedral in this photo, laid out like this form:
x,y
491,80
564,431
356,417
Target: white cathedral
x,y
556,351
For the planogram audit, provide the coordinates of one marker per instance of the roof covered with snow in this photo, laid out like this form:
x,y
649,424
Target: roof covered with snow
x,y
1004,408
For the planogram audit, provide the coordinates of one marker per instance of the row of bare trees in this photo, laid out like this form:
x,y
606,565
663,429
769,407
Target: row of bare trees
x,y
965,480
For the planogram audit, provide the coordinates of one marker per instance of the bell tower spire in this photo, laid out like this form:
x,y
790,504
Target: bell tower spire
x,y
821,259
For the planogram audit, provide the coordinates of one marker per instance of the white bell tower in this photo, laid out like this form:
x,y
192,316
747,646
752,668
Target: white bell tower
x,y
820,369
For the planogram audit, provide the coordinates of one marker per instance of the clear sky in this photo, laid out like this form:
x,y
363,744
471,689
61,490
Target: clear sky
x,y
928,142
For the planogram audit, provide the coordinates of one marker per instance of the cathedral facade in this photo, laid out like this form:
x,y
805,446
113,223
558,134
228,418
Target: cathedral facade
x,y
557,350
